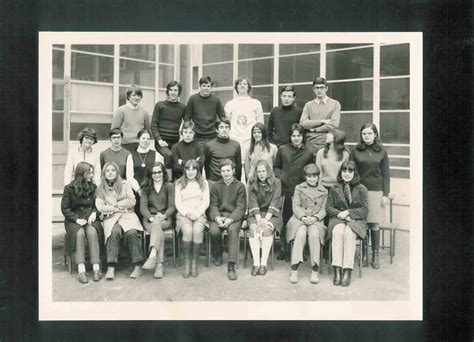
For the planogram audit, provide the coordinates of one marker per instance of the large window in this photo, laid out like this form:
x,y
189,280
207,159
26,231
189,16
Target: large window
x,y
58,94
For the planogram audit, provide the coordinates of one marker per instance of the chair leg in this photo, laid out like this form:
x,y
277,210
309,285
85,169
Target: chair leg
x,y
330,258
321,259
382,232
272,250
208,249
361,256
174,247
394,240
245,248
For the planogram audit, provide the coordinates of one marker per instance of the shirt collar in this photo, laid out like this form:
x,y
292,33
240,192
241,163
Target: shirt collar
x,y
324,100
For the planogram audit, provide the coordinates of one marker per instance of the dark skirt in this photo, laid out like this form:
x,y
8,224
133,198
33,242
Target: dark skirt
x,y
276,221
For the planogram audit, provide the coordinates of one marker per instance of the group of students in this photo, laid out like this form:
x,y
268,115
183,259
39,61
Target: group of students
x,y
300,180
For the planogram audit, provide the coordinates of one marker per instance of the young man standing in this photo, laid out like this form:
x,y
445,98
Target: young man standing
x,y
131,118
282,117
204,109
219,149
319,115
117,154
228,202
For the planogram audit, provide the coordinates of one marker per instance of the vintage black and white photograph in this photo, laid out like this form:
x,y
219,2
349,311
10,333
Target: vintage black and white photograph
x,y
257,176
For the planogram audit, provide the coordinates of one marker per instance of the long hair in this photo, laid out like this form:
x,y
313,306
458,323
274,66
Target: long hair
x,y
147,184
376,145
265,142
339,140
184,180
82,186
351,165
117,185
253,182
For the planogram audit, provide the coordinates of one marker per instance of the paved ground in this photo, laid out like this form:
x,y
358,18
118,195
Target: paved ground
x,y
390,282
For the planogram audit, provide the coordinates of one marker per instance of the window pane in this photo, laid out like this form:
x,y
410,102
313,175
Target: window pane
x,y
148,100
288,49
102,129
106,49
166,74
217,53
58,96
304,93
225,95
398,150
255,50
403,162
58,126
395,94
265,96
395,128
58,64
350,64
344,46
351,124
91,98
357,95
92,68
399,173
167,54
195,77
395,60
259,71
221,74
61,46
162,97
139,51
299,68
140,73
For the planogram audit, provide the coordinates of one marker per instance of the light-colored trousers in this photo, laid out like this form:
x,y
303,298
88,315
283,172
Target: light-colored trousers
x,y
343,246
312,232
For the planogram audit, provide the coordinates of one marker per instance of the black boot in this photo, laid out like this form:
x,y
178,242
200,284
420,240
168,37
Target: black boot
x,y
231,273
337,275
187,258
346,278
375,236
194,262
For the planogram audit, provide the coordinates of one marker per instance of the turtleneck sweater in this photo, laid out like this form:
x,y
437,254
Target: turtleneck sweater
x,y
217,150
166,120
280,121
204,111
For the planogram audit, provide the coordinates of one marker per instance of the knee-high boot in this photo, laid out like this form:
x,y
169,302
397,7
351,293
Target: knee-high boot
x,y
375,236
187,258
194,262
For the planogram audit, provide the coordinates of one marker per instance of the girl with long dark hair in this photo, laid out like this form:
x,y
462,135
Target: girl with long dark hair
x,y
260,149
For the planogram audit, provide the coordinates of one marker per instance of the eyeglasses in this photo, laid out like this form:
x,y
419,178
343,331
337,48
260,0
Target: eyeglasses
x,y
319,87
347,170
157,172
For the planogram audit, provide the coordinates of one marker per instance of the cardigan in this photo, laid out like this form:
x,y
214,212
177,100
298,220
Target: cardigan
x,y
373,167
75,156
329,166
130,121
261,200
162,202
313,112
229,201
280,121
204,111
217,150
259,154
186,151
166,120
289,164
192,199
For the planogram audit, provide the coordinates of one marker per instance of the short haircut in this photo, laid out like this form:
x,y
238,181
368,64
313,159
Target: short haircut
x,y
143,131
115,131
320,80
205,79
288,88
187,124
300,129
311,169
226,162
240,79
87,132
222,120
134,89
173,84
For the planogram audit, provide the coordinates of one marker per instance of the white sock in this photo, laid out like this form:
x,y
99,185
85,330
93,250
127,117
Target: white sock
x,y
255,248
81,268
267,242
95,267
153,252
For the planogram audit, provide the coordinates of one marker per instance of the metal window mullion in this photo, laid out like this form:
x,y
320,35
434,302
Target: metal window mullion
x,y
116,78
322,61
376,86
276,73
67,93
235,65
177,56
157,71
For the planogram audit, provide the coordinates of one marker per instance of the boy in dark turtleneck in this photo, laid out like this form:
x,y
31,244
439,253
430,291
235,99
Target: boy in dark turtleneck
x,y
186,149
282,117
219,149
204,110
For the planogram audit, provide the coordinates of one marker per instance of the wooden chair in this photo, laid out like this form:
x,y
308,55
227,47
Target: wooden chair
x,y
242,233
392,229
362,244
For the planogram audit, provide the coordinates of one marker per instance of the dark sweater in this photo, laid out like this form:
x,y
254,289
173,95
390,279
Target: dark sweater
x,y
186,151
166,119
280,121
162,202
204,112
228,200
118,157
138,158
373,166
289,164
217,150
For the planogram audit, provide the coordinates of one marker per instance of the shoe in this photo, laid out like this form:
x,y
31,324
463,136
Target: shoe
x,y
375,260
218,260
314,279
231,273
262,270
150,263
158,271
137,272
83,278
110,273
337,276
293,277
254,270
375,236
97,276
346,278
187,268
194,268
